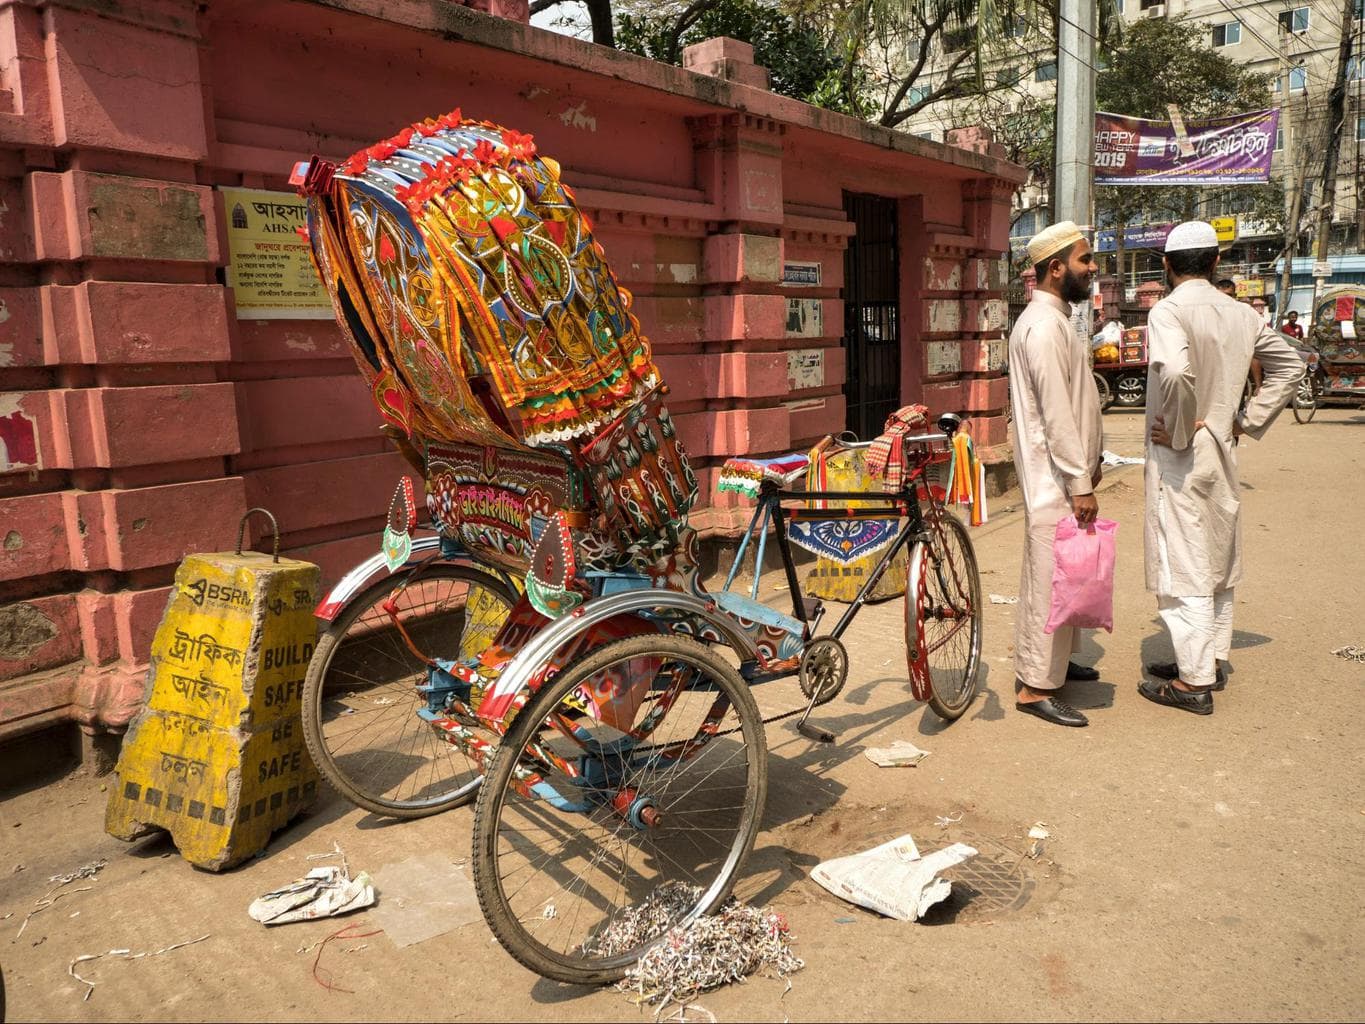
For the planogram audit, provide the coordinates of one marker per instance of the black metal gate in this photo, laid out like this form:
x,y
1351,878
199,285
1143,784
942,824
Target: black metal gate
x,y
871,315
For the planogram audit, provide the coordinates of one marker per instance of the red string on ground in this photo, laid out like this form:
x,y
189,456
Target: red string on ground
x,y
345,933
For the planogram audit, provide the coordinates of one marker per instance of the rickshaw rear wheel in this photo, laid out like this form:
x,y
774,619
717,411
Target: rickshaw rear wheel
x,y
1305,400
655,829
1105,391
360,696
944,616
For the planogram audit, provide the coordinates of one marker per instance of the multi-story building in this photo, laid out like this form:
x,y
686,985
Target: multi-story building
x,y
1296,41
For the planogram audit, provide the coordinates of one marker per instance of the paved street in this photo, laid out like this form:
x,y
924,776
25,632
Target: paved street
x,y
1199,867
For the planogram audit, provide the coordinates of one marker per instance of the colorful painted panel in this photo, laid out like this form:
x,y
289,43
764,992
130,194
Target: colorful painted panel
x,y
497,502
473,255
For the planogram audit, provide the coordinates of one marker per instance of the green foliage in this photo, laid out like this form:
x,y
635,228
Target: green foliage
x,y
1166,61
800,62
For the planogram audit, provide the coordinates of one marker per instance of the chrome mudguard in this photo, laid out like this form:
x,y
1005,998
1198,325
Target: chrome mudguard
x,y
360,577
517,676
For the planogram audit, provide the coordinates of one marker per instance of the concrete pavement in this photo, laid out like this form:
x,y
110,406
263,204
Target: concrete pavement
x,y
1199,867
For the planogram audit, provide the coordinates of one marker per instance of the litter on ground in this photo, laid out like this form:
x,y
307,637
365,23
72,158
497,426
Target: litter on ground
x,y
893,879
54,894
323,892
1350,653
1109,458
424,896
901,754
126,955
1002,599
710,951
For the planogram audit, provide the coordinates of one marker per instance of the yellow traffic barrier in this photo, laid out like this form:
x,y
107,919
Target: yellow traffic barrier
x,y
217,756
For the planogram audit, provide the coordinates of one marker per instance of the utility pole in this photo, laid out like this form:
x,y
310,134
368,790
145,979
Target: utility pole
x,y
1295,181
1074,171
1336,116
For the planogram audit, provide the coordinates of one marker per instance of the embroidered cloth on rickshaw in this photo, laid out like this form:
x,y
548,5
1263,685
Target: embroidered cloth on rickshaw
x,y
743,474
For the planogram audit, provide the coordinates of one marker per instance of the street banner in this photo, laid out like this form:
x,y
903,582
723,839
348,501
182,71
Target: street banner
x,y
1153,236
1233,150
1139,236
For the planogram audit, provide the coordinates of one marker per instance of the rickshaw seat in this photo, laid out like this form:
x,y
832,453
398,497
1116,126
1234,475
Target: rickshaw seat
x,y
744,474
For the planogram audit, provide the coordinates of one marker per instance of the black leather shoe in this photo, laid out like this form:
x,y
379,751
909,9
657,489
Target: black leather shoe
x,y
1170,670
1051,709
1081,673
1198,702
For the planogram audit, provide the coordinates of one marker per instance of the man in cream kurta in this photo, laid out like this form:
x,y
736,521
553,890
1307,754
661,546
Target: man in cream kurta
x,y
1057,451
1200,343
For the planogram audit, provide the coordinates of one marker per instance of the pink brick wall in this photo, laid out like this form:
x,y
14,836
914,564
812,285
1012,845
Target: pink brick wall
x,y
139,417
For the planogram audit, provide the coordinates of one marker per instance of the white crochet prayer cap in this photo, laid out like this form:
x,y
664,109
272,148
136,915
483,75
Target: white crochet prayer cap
x,y
1193,234
1053,240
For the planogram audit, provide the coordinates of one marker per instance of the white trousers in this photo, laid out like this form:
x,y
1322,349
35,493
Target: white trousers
x,y
1200,626
1201,633
1040,659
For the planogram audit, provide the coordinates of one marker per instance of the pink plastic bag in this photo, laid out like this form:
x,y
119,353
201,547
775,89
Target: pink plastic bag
x,y
1083,576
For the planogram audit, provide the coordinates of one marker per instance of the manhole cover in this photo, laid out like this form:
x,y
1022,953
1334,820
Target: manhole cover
x,y
993,882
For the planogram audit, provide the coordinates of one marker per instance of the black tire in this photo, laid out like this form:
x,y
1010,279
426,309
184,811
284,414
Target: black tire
x,y
1305,400
943,608
1130,390
1106,393
555,856
391,762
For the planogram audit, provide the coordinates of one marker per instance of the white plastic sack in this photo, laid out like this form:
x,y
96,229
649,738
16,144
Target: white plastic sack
x,y
893,879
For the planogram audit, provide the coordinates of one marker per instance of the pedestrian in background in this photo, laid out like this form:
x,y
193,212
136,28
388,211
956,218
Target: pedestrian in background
x,y
1057,451
1200,346
1291,325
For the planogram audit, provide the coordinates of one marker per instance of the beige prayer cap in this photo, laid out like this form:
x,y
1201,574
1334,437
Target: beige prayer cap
x,y
1053,240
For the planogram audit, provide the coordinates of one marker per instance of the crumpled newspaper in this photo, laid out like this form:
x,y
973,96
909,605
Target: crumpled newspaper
x,y
323,892
901,754
1109,458
893,879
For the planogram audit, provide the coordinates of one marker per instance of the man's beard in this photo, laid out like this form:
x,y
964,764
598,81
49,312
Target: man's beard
x,y
1074,287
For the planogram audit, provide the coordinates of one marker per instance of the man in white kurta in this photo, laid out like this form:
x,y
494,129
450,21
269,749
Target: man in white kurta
x,y
1200,344
1057,451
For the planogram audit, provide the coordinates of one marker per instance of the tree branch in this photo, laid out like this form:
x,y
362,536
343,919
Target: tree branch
x,y
927,33
686,20
537,6
952,88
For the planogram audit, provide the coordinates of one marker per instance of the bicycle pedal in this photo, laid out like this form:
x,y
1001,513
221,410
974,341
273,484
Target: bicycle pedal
x,y
814,733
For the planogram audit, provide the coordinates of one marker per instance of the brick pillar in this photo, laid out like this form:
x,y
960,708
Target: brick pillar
x,y
946,268
512,10
115,426
986,205
723,57
739,169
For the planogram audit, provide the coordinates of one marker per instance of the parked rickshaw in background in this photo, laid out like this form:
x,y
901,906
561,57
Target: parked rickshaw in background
x,y
1335,352
1121,370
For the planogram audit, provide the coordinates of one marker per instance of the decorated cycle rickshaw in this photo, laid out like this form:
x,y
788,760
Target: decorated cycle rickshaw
x,y
597,688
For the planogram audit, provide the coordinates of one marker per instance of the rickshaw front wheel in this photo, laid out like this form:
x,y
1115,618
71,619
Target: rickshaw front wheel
x,y
623,801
